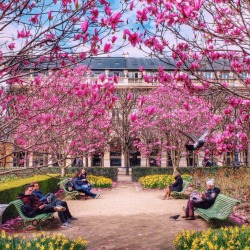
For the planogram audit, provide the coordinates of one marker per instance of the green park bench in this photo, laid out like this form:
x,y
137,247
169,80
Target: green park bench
x,y
35,221
74,194
180,194
220,210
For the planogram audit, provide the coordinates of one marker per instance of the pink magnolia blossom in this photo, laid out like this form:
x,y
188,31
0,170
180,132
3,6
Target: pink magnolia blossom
x,y
106,47
133,117
50,16
133,38
34,19
84,26
23,34
11,46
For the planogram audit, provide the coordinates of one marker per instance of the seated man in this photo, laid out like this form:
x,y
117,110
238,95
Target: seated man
x,y
32,206
207,200
80,186
50,198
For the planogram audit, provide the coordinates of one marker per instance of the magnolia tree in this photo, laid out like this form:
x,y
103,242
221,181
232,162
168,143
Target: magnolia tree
x,y
64,115
162,114
195,34
120,124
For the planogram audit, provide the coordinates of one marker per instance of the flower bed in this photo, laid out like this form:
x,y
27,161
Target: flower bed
x,y
221,239
99,181
40,241
159,181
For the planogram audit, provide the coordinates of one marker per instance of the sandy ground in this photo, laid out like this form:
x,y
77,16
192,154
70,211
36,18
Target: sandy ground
x,y
128,217
125,218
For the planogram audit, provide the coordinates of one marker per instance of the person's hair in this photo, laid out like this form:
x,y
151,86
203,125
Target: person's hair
x,y
27,186
32,184
176,173
77,173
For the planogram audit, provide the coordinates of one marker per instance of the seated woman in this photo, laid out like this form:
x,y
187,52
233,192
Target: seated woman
x,y
80,186
176,186
207,200
83,177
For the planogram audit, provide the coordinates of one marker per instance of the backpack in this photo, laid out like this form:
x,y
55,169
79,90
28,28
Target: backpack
x,y
69,186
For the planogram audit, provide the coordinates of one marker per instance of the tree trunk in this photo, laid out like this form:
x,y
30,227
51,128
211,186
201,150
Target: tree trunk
x,y
126,161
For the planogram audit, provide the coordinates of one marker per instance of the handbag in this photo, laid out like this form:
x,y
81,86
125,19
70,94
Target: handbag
x,y
195,196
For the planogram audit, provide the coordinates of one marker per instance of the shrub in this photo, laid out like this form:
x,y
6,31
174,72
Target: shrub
x,y
41,241
159,181
99,181
221,239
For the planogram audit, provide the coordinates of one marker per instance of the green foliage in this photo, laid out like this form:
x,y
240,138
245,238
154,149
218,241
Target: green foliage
x,y
160,181
10,190
222,239
41,241
99,181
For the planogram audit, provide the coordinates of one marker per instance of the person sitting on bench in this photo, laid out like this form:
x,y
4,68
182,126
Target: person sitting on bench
x,y
206,200
83,177
176,186
49,198
32,206
79,185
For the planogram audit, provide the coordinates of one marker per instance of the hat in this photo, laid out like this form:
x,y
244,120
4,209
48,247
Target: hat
x,y
210,182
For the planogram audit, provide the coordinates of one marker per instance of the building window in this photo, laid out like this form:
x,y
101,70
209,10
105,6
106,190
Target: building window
x,y
133,74
243,75
207,75
224,75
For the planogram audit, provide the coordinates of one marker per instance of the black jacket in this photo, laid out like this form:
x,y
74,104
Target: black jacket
x,y
177,185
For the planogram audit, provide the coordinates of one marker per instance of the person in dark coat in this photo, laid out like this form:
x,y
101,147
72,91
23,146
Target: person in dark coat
x,y
32,206
207,200
176,186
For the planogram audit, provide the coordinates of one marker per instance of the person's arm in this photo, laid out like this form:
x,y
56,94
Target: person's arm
x,y
209,197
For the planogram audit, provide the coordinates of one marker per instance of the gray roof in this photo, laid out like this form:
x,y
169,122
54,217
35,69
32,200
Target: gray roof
x,y
129,63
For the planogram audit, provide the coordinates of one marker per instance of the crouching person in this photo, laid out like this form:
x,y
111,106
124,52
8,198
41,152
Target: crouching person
x,y
32,206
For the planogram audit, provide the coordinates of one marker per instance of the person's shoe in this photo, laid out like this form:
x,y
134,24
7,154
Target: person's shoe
x,y
185,217
72,218
66,224
190,218
97,196
59,208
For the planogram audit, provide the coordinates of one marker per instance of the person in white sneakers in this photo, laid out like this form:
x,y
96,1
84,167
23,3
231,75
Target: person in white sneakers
x,y
32,206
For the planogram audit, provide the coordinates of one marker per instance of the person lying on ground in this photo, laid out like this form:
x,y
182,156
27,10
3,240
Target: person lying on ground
x,y
32,206
81,187
50,198
176,186
205,200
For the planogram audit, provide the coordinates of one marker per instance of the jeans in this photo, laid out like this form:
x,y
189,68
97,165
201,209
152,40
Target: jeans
x,y
49,208
86,191
89,187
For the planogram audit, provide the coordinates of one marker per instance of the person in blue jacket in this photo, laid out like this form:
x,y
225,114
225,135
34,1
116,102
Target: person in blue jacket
x,y
80,186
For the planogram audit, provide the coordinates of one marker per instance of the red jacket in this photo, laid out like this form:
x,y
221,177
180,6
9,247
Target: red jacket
x,y
31,200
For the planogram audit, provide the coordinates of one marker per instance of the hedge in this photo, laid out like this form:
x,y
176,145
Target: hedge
x,y
138,172
111,172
